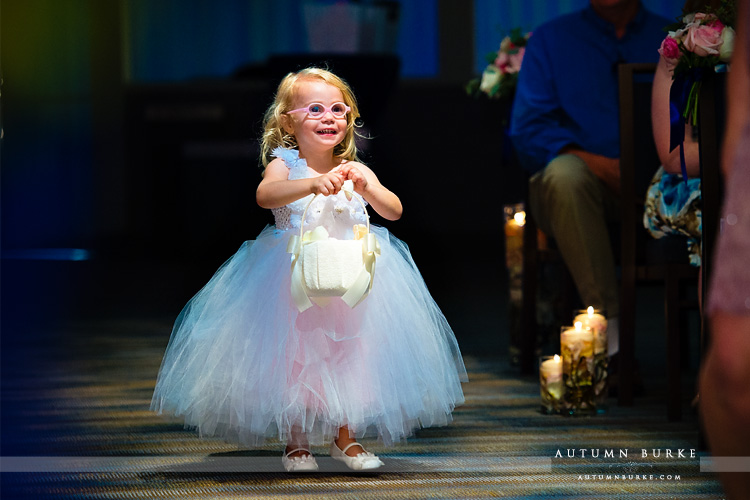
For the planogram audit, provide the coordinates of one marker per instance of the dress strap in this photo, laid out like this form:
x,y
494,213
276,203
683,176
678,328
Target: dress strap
x,y
290,156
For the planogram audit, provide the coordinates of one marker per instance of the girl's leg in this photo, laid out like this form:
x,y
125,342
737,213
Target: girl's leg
x,y
297,456
297,439
344,439
356,457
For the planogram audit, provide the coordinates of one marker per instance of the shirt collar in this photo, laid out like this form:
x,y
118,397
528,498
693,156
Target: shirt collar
x,y
590,15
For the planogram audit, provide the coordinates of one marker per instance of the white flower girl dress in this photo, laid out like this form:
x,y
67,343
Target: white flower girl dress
x,y
244,364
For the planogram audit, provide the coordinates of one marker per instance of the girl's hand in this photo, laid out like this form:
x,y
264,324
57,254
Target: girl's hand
x,y
357,177
367,185
327,184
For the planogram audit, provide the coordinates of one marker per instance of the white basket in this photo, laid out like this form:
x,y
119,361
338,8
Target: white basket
x,y
324,267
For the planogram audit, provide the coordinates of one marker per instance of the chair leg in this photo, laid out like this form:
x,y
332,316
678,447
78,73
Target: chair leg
x,y
529,289
674,349
626,354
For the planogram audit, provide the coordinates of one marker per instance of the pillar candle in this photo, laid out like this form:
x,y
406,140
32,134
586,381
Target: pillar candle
x,y
594,319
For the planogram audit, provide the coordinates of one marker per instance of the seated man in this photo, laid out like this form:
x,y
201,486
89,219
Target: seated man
x,y
565,129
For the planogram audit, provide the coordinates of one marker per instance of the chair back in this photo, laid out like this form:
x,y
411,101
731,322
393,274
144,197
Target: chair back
x,y
638,157
642,257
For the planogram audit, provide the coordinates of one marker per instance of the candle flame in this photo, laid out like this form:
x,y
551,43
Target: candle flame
x,y
520,218
590,310
579,326
557,358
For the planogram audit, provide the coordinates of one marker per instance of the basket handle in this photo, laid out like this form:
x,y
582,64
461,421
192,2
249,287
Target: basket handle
x,y
348,187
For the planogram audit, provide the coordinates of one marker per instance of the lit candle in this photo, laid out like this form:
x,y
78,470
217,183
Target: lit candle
x,y
596,320
577,340
551,383
514,228
577,347
551,369
598,323
514,224
515,219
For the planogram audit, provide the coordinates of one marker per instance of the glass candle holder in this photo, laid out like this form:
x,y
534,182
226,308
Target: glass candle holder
x,y
577,347
596,319
515,219
551,383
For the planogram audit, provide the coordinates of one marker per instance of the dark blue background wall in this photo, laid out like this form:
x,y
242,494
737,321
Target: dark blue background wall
x,y
91,160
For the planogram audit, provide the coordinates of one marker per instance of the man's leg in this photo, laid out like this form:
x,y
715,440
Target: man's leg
x,y
572,205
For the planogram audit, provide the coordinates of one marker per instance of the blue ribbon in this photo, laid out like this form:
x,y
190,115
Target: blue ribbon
x,y
679,95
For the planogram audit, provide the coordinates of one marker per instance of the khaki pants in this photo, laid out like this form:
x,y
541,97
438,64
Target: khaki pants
x,y
574,207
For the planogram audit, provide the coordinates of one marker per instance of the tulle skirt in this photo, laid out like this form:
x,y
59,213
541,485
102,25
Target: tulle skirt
x,y
244,364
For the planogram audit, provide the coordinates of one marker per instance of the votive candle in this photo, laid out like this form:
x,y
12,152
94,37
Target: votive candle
x,y
594,319
577,347
551,383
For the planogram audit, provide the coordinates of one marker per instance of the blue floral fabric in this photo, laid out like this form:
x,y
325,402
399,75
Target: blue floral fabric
x,y
673,207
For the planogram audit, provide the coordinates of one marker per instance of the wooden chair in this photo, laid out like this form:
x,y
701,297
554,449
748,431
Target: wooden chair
x,y
643,258
528,289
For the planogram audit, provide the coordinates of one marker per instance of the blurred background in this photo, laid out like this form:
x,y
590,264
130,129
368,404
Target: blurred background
x,y
130,140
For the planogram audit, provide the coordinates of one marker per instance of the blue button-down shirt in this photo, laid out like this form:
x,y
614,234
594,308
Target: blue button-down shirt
x,y
567,87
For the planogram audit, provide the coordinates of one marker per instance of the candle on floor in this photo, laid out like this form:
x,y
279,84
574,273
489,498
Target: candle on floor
x,y
596,319
577,347
515,219
514,223
551,383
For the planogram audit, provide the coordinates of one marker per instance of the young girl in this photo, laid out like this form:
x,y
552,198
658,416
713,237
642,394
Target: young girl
x,y
244,363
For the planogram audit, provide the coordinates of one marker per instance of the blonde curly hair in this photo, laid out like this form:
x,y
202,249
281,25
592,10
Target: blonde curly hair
x,y
274,134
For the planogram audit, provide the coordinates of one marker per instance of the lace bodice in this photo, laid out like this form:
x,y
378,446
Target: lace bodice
x,y
335,213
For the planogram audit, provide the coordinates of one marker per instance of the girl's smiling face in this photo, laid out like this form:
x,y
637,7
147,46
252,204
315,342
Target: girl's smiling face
x,y
321,133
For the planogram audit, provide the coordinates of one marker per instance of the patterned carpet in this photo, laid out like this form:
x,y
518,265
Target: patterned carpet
x,y
76,425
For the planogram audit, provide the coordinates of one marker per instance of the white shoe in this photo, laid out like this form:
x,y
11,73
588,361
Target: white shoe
x,y
363,461
304,463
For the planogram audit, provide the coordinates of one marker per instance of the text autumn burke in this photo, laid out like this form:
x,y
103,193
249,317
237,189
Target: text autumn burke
x,y
623,453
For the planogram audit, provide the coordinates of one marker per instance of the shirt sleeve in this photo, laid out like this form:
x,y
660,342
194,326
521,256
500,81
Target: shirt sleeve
x,y
537,123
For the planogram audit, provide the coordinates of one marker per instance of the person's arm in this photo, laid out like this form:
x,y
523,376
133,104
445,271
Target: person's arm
x,y
276,190
605,168
536,128
366,183
660,123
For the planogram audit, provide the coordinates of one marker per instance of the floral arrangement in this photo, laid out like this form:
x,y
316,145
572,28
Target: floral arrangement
x,y
499,78
699,41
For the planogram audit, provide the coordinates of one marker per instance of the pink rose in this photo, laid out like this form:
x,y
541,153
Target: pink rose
x,y
501,60
703,40
702,16
510,63
716,24
669,48
516,60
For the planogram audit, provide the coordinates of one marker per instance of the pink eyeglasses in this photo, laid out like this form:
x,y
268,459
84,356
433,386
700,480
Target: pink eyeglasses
x,y
318,110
